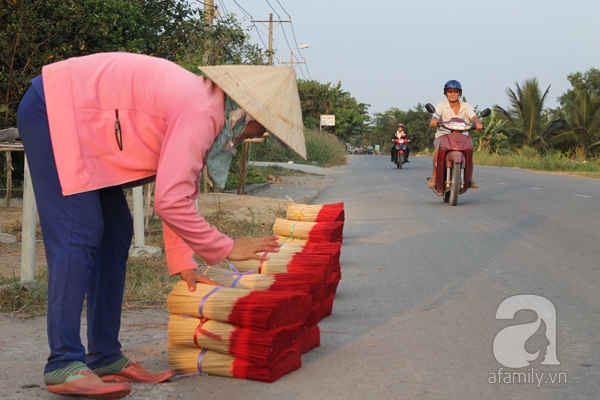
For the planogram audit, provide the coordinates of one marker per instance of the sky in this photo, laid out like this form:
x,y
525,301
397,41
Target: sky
x,y
399,53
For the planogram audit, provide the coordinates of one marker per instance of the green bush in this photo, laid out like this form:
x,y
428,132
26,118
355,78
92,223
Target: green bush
x,y
322,148
528,152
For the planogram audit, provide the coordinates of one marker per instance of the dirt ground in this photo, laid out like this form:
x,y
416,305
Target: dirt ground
x,y
23,343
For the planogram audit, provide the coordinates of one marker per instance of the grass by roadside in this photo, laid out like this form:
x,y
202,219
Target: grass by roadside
x,y
531,160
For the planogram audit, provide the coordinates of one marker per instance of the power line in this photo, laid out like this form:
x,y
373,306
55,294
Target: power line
x,y
288,14
223,7
293,48
242,8
295,40
275,11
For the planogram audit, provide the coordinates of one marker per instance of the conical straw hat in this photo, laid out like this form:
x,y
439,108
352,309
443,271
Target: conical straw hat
x,y
269,94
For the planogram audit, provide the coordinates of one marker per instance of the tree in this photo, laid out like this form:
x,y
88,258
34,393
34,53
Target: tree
x,y
582,121
316,99
35,33
589,80
416,126
491,138
525,122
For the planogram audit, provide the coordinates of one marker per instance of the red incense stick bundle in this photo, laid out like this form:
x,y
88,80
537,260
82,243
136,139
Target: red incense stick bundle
x,y
309,281
316,213
315,231
288,262
309,338
307,246
256,309
327,307
189,360
257,346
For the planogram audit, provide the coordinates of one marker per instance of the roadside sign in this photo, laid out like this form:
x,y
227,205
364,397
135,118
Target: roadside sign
x,y
327,120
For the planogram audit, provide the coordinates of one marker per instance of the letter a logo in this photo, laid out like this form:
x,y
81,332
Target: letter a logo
x,y
509,344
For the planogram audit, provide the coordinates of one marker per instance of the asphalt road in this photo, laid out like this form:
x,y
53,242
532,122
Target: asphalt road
x,y
415,313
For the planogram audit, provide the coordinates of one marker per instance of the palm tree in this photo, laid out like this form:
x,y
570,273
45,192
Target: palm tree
x,y
525,122
582,117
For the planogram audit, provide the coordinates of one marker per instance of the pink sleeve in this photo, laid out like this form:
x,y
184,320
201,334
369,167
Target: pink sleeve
x,y
180,256
190,135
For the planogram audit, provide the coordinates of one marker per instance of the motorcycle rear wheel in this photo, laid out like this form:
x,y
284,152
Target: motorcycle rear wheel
x,y
456,183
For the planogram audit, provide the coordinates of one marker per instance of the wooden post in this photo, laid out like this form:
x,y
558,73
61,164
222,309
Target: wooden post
x,y
241,187
206,178
270,58
148,209
8,177
244,163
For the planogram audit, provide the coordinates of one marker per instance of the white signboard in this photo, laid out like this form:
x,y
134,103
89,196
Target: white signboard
x,y
327,120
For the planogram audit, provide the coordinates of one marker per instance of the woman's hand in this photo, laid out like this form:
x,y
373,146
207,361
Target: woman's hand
x,y
248,248
191,276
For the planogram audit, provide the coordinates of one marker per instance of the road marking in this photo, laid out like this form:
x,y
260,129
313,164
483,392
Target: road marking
x,y
582,195
534,188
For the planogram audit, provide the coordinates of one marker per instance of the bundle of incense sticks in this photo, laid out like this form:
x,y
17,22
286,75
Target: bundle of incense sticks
x,y
316,213
190,360
261,347
289,262
307,246
309,338
261,310
314,231
308,281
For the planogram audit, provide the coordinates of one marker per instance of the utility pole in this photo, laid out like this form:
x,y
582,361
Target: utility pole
x,y
270,38
209,11
241,189
271,25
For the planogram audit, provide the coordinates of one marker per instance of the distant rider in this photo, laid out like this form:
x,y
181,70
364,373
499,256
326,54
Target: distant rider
x,y
399,134
452,108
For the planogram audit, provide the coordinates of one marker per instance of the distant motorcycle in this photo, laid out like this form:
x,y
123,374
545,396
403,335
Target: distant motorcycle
x,y
400,151
454,164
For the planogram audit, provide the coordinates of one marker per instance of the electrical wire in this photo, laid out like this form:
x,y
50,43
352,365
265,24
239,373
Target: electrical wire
x,y
275,11
242,8
223,7
287,13
262,35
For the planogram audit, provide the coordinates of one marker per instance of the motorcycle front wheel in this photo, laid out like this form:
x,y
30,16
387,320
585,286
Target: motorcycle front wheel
x,y
456,183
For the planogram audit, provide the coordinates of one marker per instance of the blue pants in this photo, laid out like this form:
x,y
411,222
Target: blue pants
x,y
87,238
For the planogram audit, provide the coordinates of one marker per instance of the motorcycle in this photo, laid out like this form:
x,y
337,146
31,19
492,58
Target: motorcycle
x,y
454,164
400,154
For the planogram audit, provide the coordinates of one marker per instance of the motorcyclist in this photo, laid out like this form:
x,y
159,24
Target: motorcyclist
x,y
399,134
452,108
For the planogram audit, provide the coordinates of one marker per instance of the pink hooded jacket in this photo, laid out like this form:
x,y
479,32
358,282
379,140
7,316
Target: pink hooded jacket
x,y
117,118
